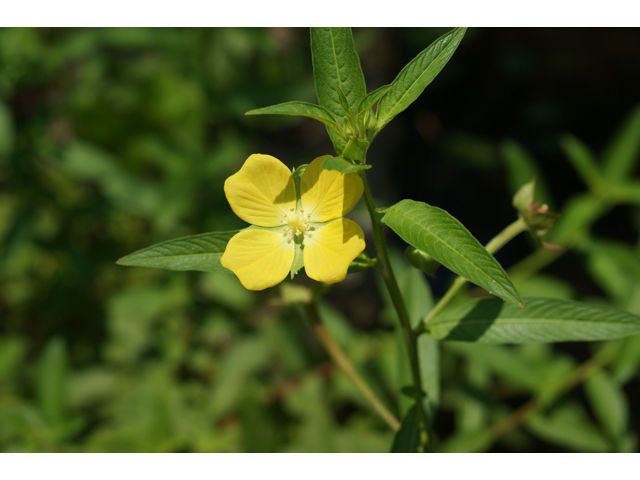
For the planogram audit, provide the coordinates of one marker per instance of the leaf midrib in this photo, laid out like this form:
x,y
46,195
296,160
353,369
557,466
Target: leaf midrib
x,y
447,245
528,321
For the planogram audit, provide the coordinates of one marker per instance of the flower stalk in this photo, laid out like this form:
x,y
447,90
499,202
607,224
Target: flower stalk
x,y
340,359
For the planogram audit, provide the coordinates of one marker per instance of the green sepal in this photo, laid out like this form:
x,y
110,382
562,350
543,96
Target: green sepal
x,y
341,165
298,257
361,263
422,261
356,150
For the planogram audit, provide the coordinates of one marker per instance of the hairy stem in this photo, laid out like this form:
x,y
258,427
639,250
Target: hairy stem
x,y
390,282
338,356
492,247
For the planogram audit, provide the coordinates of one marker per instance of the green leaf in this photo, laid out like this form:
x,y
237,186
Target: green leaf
x,y
417,75
621,155
341,165
468,442
371,98
335,61
522,168
437,233
7,130
609,404
196,252
569,427
51,382
407,439
627,361
302,109
544,320
581,158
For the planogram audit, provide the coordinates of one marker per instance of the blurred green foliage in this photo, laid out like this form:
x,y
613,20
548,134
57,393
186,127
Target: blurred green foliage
x,y
115,139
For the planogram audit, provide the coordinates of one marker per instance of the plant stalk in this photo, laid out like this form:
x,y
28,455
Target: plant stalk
x,y
495,244
410,337
339,357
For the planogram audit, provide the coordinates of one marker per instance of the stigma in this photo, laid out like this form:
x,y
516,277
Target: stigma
x,y
297,223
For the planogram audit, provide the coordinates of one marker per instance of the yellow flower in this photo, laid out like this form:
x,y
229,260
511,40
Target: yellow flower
x,y
292,222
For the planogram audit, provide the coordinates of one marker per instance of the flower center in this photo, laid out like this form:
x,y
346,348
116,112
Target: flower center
x,y
297,223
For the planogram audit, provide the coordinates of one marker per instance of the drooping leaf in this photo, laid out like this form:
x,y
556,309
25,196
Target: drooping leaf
x,y
302,109
544,320
417,75
196,252
335,61
341,165
437,233
624,151
407,439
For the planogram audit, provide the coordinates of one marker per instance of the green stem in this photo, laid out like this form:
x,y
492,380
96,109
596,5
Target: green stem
x,y
338,356
492,247
411,340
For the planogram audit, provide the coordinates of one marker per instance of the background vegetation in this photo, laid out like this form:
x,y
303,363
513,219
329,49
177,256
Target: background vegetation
x,y
114,139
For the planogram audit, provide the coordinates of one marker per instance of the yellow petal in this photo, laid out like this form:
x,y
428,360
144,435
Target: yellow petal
x,y
329,250
326,194
259,258
262,191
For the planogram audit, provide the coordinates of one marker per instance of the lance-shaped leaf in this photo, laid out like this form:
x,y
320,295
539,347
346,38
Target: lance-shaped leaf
x,y
417,75
622,154
302,109
544,320
372,97
437,233
196,252
407,439
335,62
341,165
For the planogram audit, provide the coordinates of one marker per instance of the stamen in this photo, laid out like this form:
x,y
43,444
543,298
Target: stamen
x,y
292,209
285,215
308,215
286,229
281,221
301,210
